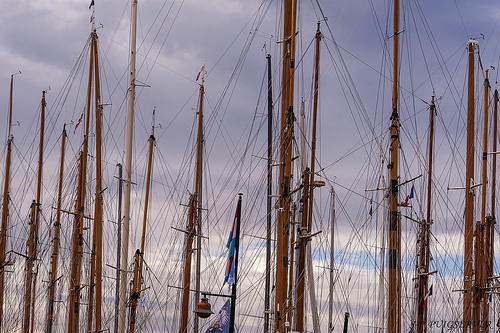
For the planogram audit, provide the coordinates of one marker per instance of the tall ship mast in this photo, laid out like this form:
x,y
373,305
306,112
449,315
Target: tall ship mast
x,y
194,219
128,172
5,205
469,195
394,311
282,309
31,274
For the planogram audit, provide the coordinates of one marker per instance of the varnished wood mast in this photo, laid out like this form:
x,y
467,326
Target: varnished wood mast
x,y
77,250
307,198
424,252
95,284
5,206
139,254
286,135
469,196
394,313
193,219
29,296
55,246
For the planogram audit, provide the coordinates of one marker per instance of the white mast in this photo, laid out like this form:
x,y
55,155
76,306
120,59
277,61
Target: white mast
x,y
381,283
128,173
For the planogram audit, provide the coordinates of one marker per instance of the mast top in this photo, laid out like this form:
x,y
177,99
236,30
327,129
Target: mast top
x,y
473,42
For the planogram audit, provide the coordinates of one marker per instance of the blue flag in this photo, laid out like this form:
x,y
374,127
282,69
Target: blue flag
x,y
231,243
91,4
410,196
220,324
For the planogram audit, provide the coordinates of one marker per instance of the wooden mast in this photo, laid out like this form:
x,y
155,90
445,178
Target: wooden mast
x,y
469,195
482,241
55,245
310,277
95,284
394,312
128,172
491,220
29,299
287,120
267,296
192,219
139,254
424,253
307,199
77,248
5,205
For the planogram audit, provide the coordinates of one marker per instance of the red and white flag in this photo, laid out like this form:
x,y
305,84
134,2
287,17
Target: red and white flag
x,y
201,70
78,122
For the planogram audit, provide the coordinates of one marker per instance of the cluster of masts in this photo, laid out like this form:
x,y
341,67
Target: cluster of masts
x,y
288,310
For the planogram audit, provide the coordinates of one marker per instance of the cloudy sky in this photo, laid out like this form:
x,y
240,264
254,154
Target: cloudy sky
x,y
45,39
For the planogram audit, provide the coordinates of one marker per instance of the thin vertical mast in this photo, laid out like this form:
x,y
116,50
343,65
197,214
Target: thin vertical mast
x,y
310,277
128,171
95,284
485,224
139,254
394,314
287,119
77,249
469,195
424,254
307,198
267,307
98,195
381,281
55,246
491,220
193,220
33,237
118,246
5,205
198,190
332,255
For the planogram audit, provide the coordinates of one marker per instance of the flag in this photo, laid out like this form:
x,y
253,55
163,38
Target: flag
x,y
410,196
91,18
429,293
489,299
201,70
231,242
91,4
220,324
264,47
78,122
371,207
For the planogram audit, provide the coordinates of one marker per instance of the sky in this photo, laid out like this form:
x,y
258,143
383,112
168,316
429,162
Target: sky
x,y
44,40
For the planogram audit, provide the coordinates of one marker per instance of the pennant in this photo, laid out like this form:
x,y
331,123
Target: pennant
x,y
371,207
489,299
264,47
429,293
78,122
91,4
220,324
91,18
231,242
201,70
410,196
